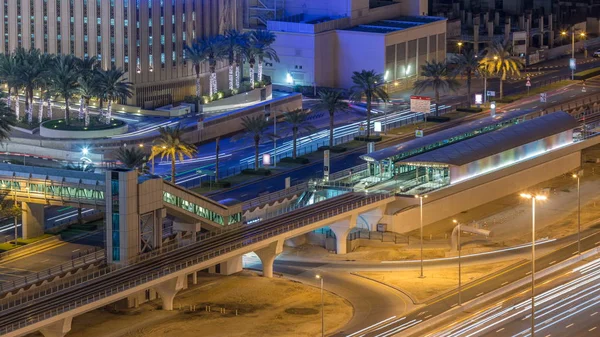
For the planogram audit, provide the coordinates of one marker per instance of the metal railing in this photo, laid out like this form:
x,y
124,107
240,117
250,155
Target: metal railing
x,y
175,267
379,236
278,195
19,282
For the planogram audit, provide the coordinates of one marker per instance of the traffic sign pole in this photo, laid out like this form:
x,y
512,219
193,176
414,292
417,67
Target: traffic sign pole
x,y
528,84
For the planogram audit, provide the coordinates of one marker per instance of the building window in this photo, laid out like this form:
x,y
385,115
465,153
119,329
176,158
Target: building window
x,y
32,24
58,24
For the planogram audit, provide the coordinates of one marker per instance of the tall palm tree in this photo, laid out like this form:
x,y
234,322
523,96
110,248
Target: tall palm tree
x,y
87,67
231,46
370,84
250,56
263,39
195,54
133,158
438,78
499,60
43,81
7,118
170,144
467,64
211,48
30,72
297,121
240,56
114,86
64,81
9,73
332,101
88,88
256,126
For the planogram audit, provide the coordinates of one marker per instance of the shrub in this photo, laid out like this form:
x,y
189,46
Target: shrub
x,y
218,184
259,172
471,110
370,138
438,119
298,160
334,149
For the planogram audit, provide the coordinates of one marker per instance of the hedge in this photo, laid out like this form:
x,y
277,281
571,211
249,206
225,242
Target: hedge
x,y
259,172
472,110
438,119
333,149
368,139
583,75
218,184
298,160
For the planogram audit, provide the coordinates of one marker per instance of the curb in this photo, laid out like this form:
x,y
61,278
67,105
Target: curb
x,y
448,315
390,286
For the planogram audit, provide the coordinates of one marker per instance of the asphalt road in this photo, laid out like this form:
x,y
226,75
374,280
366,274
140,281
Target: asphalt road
x,y
347,160
475,289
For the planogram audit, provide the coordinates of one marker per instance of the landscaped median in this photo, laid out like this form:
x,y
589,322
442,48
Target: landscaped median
x,y
535,91
58,128
584,75
25,243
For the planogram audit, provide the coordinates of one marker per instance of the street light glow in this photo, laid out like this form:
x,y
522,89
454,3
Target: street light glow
x,y
318,276
85,151
420,196
563,33
536,197
455,221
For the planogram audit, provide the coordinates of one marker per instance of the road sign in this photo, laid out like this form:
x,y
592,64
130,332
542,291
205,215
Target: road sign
x,y
543,97
420,104
528,84
377,126
418,133
491,93
266,159
478,99
583,89
361,127
493,109
572,64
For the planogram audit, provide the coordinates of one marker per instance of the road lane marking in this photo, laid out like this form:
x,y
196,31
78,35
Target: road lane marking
x,y
499,330
505,283
46,260
570,325
426,317
553,262
76,250
481,293
594,313
527,273
592,329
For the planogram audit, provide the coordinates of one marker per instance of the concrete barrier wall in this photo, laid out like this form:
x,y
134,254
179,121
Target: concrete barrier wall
x,y
241,100
36,150
66,134
481,190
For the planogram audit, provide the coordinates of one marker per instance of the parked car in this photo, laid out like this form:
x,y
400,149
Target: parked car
x,y
596,53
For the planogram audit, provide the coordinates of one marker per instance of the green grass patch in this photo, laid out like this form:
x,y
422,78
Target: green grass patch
x,y
368,139
535,91
32,240
77,125
584,75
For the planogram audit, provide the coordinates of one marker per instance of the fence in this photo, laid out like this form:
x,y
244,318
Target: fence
x,y
149,275
379,236
82,260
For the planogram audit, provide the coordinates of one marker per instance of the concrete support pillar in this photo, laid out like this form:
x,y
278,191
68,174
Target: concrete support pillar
x,y
167,291
551,31
541,30
195,277
341,230
463,15
33,220
490,28
497,19
233,265
507,28
521,22
469,19
486,16
267,256
57,329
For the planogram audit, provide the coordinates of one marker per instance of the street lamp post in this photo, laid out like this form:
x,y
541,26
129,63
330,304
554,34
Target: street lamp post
x,y
460,44
459,265
322,307
533,200
582,34
275,139
420,197
578,176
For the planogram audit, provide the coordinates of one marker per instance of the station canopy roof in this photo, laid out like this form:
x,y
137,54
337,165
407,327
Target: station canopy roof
x,y
495,142
442,135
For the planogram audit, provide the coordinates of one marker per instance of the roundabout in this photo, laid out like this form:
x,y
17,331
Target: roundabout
x,y
76,129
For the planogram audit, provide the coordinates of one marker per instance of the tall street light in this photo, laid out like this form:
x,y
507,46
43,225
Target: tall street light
x,y
582,34
421,197
459,266
460,44
578,176
322,307
533,200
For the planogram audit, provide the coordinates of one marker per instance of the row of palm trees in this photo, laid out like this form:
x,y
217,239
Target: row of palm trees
x,y
60,76
496,60
235,48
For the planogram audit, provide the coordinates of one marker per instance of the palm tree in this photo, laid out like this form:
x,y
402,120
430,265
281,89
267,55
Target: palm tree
x,y
499,60
170,144
45,62
437,77
297,121
114,86
240,56
87,68
30,72
132,158
331,101
211,49
467,64
256,126
9,73
195,54
263,39
7,119
370,84
250,56
88,88
64,81
231,46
